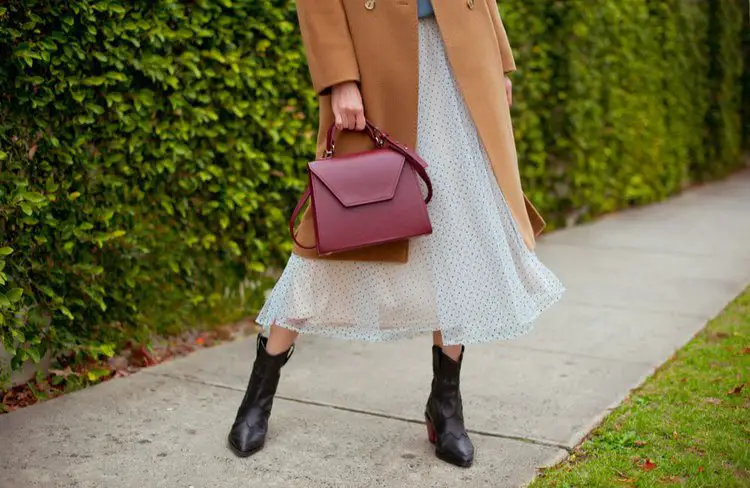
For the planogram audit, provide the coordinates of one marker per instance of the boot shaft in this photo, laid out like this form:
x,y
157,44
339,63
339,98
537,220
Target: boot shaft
x,y
445,394
264,379
445,370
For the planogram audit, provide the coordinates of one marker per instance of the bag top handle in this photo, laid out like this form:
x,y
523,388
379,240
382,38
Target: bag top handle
x,y
377,136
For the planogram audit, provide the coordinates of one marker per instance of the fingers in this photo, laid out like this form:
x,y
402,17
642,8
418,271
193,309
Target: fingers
x,y
349,118
359,120
343,118
338,120
348,109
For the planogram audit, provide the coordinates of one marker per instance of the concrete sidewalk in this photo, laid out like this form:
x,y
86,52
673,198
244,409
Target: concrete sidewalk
x,y
640,284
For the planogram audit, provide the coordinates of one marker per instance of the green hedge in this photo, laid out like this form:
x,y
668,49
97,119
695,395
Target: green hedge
x,y
149,153
150,150
726,27
625,102
746,80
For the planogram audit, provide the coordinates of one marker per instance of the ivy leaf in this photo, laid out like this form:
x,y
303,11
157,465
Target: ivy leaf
x,y
95,81
107,350
14,295
97,374
34,354
51,186
34,197
26,208
6,251
117,76
66,311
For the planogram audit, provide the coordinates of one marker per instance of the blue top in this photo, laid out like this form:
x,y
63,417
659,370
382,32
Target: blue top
x,y
424,8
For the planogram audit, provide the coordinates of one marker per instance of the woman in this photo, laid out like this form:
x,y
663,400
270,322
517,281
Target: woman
x,y
432,79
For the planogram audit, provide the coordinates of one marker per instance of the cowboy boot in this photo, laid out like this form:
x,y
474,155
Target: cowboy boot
x,y
248,434
444,413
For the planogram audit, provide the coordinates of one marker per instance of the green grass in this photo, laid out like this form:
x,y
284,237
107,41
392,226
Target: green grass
x,y
688,425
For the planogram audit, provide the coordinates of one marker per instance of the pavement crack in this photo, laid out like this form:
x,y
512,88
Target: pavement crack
x,y
485,433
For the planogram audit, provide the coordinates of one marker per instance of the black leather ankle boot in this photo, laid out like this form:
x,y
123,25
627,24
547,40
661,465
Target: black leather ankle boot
x,y
445,414
248,433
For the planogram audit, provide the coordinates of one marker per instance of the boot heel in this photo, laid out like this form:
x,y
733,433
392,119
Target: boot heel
x,y
431,433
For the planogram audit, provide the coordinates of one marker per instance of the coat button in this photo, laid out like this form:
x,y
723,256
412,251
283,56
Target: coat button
x,y
470,4
369,4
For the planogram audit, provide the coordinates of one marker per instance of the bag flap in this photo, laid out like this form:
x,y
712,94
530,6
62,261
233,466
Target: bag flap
x,y
363,178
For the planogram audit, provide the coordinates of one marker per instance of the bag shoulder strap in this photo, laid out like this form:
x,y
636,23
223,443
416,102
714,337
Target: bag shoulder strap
x,y
414,160
301,203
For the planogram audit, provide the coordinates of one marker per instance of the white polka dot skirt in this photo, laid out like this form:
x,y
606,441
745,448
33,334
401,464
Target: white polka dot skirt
x,y
474,279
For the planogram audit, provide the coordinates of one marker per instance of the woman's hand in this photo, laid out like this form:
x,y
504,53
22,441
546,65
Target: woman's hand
x,y
509,91
348,110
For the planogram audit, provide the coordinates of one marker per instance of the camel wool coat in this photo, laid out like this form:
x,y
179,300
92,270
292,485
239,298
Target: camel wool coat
x,y
375,43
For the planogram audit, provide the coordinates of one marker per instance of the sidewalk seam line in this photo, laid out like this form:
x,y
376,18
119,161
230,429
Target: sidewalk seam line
x,y
695,315
639,250
527,440
611,307
575,355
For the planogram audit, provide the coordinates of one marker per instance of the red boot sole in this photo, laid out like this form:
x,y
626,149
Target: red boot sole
x,y
431,433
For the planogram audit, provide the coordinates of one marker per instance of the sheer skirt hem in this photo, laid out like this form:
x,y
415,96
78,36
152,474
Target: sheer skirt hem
x,y
406,330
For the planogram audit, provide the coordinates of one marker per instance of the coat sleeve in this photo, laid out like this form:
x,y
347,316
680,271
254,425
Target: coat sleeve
x,y
328,43
506,52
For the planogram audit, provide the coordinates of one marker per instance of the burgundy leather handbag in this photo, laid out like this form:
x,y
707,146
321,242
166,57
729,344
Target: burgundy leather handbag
x,y
365,199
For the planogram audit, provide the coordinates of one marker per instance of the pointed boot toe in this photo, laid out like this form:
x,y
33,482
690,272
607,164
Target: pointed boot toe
x,y
245,440
459,452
